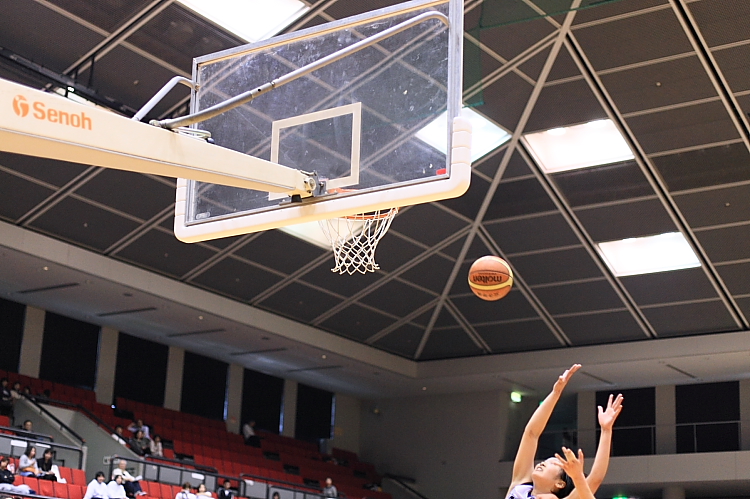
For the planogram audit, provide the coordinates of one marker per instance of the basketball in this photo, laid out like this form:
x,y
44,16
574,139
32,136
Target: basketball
x,y
490,278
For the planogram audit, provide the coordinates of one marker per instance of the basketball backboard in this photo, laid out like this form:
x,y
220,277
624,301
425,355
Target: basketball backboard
x,y
355,122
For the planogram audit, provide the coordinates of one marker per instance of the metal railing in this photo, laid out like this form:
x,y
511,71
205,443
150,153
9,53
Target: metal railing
x,y
61,426
64,455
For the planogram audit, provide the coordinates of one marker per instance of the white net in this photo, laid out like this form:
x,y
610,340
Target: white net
x,y
355,238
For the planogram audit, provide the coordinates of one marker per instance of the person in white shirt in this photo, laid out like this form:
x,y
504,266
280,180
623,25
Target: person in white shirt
x,y
115,490
118,436
202,491
185,492
157,449
96,488
130,482
138,425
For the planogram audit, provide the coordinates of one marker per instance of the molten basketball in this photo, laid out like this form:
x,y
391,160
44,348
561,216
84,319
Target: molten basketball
x,y
490,278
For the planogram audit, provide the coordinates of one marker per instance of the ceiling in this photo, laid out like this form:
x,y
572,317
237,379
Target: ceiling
x,y
673,75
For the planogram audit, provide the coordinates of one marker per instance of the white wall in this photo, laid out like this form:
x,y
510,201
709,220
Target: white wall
x,y
347,424
450,444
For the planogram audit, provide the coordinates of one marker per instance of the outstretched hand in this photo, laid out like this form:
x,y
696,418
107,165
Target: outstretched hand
x,y
608,416
572,465
562,381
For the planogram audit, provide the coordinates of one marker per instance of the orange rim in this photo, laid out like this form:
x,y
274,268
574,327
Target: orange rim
x,y
361,217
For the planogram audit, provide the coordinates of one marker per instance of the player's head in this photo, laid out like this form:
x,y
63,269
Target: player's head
x,y
549,475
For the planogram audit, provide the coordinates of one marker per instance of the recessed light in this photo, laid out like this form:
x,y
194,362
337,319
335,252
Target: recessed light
x,y
516,397
580,146
200,317
485,135
45,268
424,388
646,255
323,356
251,20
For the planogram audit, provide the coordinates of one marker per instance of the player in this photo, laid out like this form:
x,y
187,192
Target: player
x,y
549,478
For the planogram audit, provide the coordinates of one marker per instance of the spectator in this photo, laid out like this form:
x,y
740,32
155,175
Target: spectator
x,y
226,492
130,482
115,490
140,444
96,488
46,467
185,492
276,495
27,464
118,436
16,392
7,478
138,425
248,431
330,489
6,399
157,449
202,491
28,425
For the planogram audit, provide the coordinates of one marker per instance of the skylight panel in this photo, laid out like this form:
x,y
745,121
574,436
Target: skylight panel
x,y
251,20
647,255
579,146
485,135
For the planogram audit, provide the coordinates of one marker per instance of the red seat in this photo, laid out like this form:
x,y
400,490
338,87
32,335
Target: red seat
x,y
61,490
45,488
79,477
66,473
76,491
32,482
166,491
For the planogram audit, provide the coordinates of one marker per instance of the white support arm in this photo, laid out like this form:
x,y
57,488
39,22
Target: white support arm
x,y
37,123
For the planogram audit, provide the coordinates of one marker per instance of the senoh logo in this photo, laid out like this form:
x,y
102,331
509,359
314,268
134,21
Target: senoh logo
x,y
41,112
20,106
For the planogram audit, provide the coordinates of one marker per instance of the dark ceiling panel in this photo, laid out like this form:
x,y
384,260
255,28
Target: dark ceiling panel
x,y
603,184
357,323
84,224
564,67
683,127
518,336
420,223
594,329
521,197
106,15
564,104
236,279
344,285
431,274
529,234
604,10
57,173
579,297
735,276
300,302
722,21
512,39
340,10
19,196
505,100
621,221
657,85
690,318
668,287
726,244
397,298
477,249
517,167
129,192
449,343
489,164
54,41
715,206
163,252
403,341
280,251
476,310
633,39
468,204
393,251
705,167
734,66
744,304
556,266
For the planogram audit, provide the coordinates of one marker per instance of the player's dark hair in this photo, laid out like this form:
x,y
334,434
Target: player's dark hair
x,y
568,488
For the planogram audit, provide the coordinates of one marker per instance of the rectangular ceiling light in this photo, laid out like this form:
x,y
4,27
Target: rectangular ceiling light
x,y
485,135
579,146
646,255
251,20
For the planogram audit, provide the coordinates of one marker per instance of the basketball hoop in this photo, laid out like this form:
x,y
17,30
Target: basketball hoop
x,y
354,239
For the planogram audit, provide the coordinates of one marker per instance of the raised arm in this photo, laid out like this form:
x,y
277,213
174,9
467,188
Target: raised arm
x,y
523,466
573,466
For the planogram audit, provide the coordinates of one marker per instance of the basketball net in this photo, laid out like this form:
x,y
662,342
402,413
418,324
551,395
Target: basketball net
x,y
354,239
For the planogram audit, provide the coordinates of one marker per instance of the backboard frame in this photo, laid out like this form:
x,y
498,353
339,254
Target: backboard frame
x,y
453,183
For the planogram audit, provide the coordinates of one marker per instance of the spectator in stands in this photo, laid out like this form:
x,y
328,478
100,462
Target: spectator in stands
x,y
130,482
202,491
46,467
27,464
276,495
226,492
140,444
7,478
185,493
16,391
6,399
248,431
96,488
28,425
138,425
118,436
157,449
115,490
330,489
